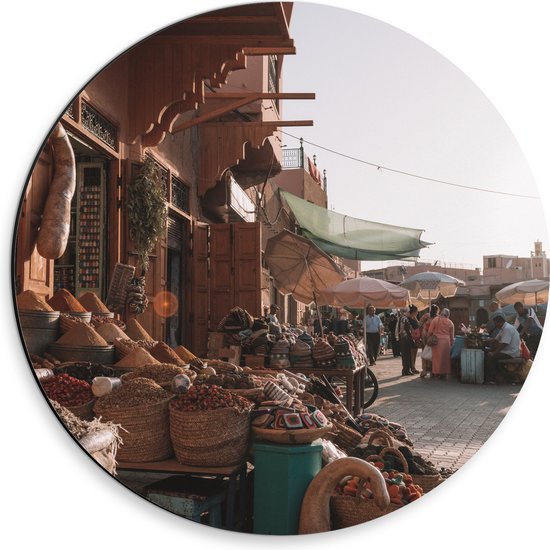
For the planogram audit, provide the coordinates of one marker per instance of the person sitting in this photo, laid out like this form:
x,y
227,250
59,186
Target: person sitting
x,y
529,327
494,309
506,345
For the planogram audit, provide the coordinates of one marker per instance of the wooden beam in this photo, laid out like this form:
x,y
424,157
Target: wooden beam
x,y
239,100
217,112
270,51
230,19
260,41
263,95
261,123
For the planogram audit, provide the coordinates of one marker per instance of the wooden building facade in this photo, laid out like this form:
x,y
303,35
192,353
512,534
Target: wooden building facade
x,y
179,98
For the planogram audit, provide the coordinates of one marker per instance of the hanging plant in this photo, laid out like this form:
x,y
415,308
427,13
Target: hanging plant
x,y
146,211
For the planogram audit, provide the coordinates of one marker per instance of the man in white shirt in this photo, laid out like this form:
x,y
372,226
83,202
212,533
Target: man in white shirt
x,y
506,346
373,327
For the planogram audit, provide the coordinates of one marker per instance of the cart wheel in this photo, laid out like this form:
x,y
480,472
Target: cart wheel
x,y
371,388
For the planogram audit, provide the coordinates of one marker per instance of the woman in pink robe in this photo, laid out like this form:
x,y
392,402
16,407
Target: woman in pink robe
x,y
443,328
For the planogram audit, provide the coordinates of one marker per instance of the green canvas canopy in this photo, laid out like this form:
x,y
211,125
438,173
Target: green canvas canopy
x,y
353,238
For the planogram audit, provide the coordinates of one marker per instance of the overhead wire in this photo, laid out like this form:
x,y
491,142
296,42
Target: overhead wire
x,y
410,174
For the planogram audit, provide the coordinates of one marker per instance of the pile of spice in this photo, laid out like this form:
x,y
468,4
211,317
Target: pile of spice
x,y
138,357
82,335
135,331
98,320
91,302
63,300
67,390
110,331
165,354
134,393
29,300
206,398
162,373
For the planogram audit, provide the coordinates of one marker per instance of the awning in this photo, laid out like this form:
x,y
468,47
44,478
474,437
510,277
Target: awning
x,y
353,238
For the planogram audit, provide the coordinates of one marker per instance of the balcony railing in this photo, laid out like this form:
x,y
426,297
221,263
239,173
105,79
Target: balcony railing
x,y
293,158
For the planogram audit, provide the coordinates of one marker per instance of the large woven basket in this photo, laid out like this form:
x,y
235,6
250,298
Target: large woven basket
x,y
146,431
216,437
85,411
347,511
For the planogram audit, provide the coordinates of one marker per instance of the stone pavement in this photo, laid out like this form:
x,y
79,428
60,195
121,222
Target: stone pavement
x,y
447,421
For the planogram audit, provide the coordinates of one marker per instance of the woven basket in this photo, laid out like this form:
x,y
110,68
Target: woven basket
x,y
347,511
216,437
427,482
291,437
85,411
391,450
146,433
346,438
371,435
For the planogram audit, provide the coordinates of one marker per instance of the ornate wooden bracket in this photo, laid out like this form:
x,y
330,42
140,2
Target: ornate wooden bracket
x,y
224,145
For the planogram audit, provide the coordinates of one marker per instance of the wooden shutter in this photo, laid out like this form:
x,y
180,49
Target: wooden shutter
x,y
33,272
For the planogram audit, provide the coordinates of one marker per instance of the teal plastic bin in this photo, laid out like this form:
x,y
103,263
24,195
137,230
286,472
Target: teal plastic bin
x,y
282,474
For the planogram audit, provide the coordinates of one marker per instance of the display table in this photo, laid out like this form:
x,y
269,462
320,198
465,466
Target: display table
x,y
354,381
236,488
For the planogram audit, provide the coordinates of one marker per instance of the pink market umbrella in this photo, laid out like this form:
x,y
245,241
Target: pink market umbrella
x,y
363,291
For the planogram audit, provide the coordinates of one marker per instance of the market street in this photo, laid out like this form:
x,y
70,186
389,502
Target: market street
x,y
447,421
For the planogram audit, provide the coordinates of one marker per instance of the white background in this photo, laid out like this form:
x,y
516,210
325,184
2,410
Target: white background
x,y
52,494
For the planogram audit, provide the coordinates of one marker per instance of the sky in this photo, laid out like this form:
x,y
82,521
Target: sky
x,y
385,97
51,52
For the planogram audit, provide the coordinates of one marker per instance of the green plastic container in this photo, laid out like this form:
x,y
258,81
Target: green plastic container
x,y
282,474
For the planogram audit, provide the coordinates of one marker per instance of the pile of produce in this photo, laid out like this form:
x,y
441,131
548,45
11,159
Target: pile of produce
x,y
229,381
161,373
84,371
401,488
137,392
206,398
67,390
91,302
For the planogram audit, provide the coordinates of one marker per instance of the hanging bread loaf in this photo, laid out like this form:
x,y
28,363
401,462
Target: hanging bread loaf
x,y
56,218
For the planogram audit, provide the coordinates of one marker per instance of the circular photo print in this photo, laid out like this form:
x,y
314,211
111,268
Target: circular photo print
x,y
280,269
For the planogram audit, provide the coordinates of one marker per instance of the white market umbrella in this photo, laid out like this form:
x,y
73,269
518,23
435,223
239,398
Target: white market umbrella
x,y
363,291
529,293
428,285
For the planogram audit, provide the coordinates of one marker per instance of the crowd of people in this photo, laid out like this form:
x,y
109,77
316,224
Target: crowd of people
x,y
432,337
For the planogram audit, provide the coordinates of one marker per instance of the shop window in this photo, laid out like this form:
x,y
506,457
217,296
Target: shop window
x,y
180,195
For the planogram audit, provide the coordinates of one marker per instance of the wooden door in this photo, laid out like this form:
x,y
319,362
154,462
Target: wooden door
x,y
198,289
235,269
221,272
32,271
247,267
